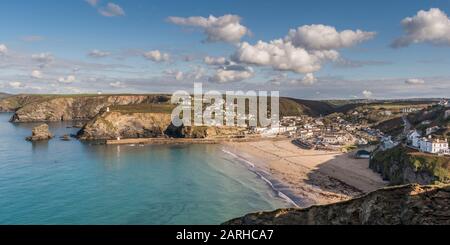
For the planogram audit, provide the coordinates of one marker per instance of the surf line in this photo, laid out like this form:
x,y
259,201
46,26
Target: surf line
x,y
260,174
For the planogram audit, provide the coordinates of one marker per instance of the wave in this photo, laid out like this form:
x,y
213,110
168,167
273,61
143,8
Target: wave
x,y
260,173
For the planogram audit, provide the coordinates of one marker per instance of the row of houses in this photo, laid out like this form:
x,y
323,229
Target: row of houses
x,y
428,144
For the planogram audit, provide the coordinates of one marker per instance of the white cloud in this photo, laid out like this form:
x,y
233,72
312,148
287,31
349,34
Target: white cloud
x,y
215,60
303,50
16,84
157,56
93,3
3,49
229,74
282,55
111,10
432,26
367,93
36,74
117,85
414,81
225,28
321,37
68,79
308,79
98,53
178,75
43,57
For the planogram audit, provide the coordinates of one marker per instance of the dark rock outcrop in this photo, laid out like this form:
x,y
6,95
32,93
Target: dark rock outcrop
x,y
402,205
40,133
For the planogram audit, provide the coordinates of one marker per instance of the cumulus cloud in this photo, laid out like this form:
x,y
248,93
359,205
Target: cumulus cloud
x,y
43,58
232,73
111,10
178,75
367,93
308,79
3,49
225,28
215,60
282,55
36,74
321,37
117,85
414,81
98,53
16,84
304,50
68,79
157,56
432,26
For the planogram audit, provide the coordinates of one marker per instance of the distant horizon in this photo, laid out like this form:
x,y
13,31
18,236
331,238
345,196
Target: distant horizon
x,y
281,96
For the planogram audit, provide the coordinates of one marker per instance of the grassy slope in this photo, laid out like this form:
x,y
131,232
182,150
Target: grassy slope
x,y
420,162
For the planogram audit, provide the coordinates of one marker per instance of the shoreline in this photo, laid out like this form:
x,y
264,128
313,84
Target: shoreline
x,y
306,177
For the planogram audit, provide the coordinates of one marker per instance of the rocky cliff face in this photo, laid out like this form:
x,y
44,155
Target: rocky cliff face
x,y
400,165
61,108
146,122
110,125
404,205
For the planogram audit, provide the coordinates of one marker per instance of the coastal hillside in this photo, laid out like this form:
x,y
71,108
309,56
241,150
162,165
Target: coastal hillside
x,y
401,165
402,205
132,121
146,121
4,95
33,108
37,108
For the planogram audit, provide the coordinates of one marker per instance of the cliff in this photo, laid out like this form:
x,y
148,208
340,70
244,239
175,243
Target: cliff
x,y
404,205
35,108
401,165
126,123
146,121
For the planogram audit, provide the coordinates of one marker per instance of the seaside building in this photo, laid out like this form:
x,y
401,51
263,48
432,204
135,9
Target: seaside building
x,y
414,138
431,130
434,146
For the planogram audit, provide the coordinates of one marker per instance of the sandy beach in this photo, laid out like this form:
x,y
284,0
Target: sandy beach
x,y
308,177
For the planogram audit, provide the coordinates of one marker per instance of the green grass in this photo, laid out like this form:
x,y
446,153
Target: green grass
x,y
433,165
144,108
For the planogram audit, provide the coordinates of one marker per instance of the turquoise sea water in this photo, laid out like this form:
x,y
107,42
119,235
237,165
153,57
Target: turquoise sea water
x,y
59,182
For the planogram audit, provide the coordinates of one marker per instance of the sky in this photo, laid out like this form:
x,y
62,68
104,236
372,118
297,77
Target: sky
x,y
318,49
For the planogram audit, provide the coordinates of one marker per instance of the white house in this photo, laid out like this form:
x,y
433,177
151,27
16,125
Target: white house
x,y
447,114
433,145
388,143
414,138
431,130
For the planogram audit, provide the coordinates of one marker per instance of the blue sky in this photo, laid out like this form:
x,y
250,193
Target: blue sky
x,y
123,33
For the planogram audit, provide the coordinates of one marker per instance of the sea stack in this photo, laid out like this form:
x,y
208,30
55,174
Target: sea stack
x,y
40,133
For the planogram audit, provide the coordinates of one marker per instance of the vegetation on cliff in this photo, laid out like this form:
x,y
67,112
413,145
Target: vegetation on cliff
x,y
402,165
402,205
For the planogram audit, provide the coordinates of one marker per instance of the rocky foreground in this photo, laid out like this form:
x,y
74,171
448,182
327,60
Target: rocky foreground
x,y
403,205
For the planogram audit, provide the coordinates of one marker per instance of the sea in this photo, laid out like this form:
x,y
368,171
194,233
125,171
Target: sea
x,y
74,182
